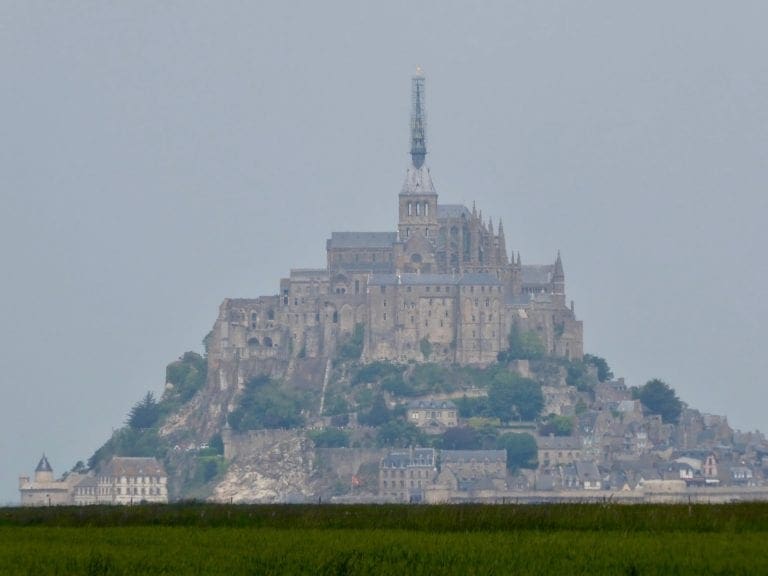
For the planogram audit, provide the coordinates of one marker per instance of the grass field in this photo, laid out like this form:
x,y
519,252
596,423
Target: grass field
x,y
556,539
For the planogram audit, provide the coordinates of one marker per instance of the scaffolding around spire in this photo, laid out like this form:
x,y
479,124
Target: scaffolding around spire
x,y
418,120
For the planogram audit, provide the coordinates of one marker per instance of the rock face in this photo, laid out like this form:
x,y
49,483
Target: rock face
x,y
267,466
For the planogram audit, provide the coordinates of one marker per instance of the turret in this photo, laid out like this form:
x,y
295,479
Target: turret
x,y
558,280
43,472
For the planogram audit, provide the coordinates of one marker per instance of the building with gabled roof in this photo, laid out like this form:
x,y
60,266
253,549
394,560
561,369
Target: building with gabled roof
x,y
130,480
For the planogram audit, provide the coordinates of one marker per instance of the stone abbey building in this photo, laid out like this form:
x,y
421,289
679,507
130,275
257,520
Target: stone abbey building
x,y
441,288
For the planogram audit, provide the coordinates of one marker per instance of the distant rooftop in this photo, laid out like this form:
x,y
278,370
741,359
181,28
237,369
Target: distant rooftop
x,y
362,239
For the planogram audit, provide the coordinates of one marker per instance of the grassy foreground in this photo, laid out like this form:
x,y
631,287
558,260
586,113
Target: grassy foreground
x,y
552,539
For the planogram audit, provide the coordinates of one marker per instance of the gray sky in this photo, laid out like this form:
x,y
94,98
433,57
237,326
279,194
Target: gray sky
x,y
157,157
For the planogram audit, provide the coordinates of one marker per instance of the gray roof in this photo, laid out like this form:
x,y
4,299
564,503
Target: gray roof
x,y
362,239
587,471
308,273
418,181
558,442
411,279
43,465
433,404
452,211
479,279
537,274
449,456
133,466
406,458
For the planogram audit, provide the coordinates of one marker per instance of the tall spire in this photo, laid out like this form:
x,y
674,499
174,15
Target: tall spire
x,y
418,119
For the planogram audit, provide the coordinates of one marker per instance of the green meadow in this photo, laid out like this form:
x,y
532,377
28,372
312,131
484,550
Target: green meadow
x,y
467,539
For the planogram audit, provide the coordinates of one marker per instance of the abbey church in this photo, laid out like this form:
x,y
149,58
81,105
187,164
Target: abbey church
x,y
441,288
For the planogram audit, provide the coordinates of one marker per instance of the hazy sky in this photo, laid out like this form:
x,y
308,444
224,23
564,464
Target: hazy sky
x,y
157,157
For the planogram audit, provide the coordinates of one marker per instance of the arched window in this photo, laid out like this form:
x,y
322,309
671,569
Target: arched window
x,y
335,317
418,208
267,341
426,209
270,314
410,209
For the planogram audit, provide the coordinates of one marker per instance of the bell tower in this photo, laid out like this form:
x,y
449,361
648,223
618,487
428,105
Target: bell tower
x,y
418,199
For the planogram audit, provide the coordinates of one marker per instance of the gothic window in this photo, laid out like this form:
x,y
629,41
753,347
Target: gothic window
x,y
418,209
270,314
410,209
335,317
426,209
267,341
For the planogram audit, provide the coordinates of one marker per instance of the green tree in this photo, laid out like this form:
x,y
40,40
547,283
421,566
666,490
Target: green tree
x,y
186,376
659,398
352,347
377,415
512,397
331,438
557,425
523,345
426,347
604,372
145,413
399,434
460,438
265,404
521,450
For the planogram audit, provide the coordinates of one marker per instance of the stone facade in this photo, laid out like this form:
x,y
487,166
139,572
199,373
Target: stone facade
x,y
405,474
441,288
433,414
130,480
43,489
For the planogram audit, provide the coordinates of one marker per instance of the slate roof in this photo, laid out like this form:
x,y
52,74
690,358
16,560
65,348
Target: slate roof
x,y
458,456
411,279
587,471
537,274
362,239
432,404
406,458
558,442
445,211
133,466
43,465
418,181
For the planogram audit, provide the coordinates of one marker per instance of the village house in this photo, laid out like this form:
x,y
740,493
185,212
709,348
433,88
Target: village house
x,y
130,480
433,415
557,450
404,474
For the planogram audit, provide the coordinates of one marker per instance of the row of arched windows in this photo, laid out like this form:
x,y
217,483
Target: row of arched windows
x,y
418,208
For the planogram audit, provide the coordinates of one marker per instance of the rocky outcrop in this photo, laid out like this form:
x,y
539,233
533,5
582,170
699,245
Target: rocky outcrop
x,y
268,466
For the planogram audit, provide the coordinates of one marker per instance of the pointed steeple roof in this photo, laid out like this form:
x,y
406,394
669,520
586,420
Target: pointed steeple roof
x,y
43,465
418,120
558,273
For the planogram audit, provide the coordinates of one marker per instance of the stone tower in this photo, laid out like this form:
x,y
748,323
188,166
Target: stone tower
x,y
418,199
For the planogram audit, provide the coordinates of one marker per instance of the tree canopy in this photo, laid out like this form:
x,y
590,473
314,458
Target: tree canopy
x,y
512,397
659,398
521,450
523,345
145,413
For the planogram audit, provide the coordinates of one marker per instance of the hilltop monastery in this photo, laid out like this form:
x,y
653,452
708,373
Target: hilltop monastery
x,y
442,287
